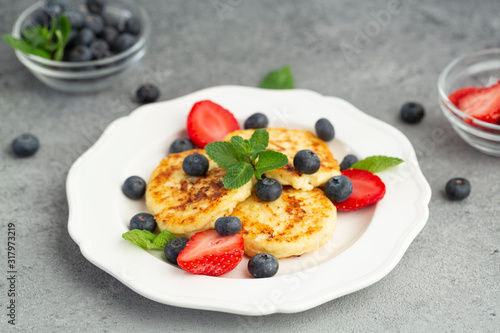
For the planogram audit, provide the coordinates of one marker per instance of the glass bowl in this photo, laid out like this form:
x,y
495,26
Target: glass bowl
x,y
87,76
478,69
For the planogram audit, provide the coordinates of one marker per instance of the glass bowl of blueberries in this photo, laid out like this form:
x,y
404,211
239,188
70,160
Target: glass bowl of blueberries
x,y
469,97
87,45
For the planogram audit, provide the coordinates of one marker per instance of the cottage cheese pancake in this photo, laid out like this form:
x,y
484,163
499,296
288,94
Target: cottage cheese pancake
x,y
289,142
185,205
298,222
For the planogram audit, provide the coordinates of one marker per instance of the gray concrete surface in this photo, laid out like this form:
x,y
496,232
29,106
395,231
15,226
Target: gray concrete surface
x,y
448,280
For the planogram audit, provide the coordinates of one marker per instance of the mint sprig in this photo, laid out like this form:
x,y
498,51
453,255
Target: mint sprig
x,y
238,175
377,163
147,240
243,159
42,41
279,79
269,160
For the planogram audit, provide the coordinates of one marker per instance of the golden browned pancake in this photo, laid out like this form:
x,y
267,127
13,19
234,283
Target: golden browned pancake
x,y
185,205
289,142
298,222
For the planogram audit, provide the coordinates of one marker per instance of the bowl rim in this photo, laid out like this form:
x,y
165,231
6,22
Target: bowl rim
x,y
448,105
37,61
88,74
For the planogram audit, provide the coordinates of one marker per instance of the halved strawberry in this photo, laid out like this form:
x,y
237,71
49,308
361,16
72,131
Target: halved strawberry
x,y
367,189
460,93
208,122
480,103
208,253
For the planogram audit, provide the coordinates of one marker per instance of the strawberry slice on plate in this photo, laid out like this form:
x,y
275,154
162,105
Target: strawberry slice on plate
x,y
480,103
208,122
208,253
367,189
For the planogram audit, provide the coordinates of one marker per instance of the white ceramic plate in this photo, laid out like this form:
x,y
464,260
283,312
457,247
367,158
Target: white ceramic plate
x,y
366,245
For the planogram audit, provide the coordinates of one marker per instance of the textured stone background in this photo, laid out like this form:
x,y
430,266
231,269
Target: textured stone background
x,y
449,279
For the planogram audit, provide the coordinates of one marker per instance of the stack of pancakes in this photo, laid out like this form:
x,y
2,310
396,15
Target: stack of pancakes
x,y
300,221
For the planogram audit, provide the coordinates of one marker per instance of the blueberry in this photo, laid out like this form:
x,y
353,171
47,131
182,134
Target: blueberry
x,y
134,187
110,19
99,47
268,189
25,145
338,188
85,37
26,26
133,25
147,93
181,144
257,120
263,265
123,42
109,34
306,161
228,225
60,3
348,162
55,11
195,164
94,22
143,221
54,7
412,112
73,34
457,189
80,53
40,17
173,248
75,19
324,130
96,6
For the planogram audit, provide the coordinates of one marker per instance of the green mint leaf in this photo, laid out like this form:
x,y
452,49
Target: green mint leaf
x,y
141,238
269,160
25,47
59,50
53,26
163,238
43,31
65,27
41,41
58,55
147,240
52,46
224,154
242,159
240,145
278,79
255,152
238,175
258,143
259,138
377,163
33,36
63,37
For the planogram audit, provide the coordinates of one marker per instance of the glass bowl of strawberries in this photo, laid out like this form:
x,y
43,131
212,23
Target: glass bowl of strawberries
x,y
469,96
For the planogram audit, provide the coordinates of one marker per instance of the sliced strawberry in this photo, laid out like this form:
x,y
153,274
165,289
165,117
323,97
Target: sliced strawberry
x,y
208,122
456,96
481,103
208,253
367,189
